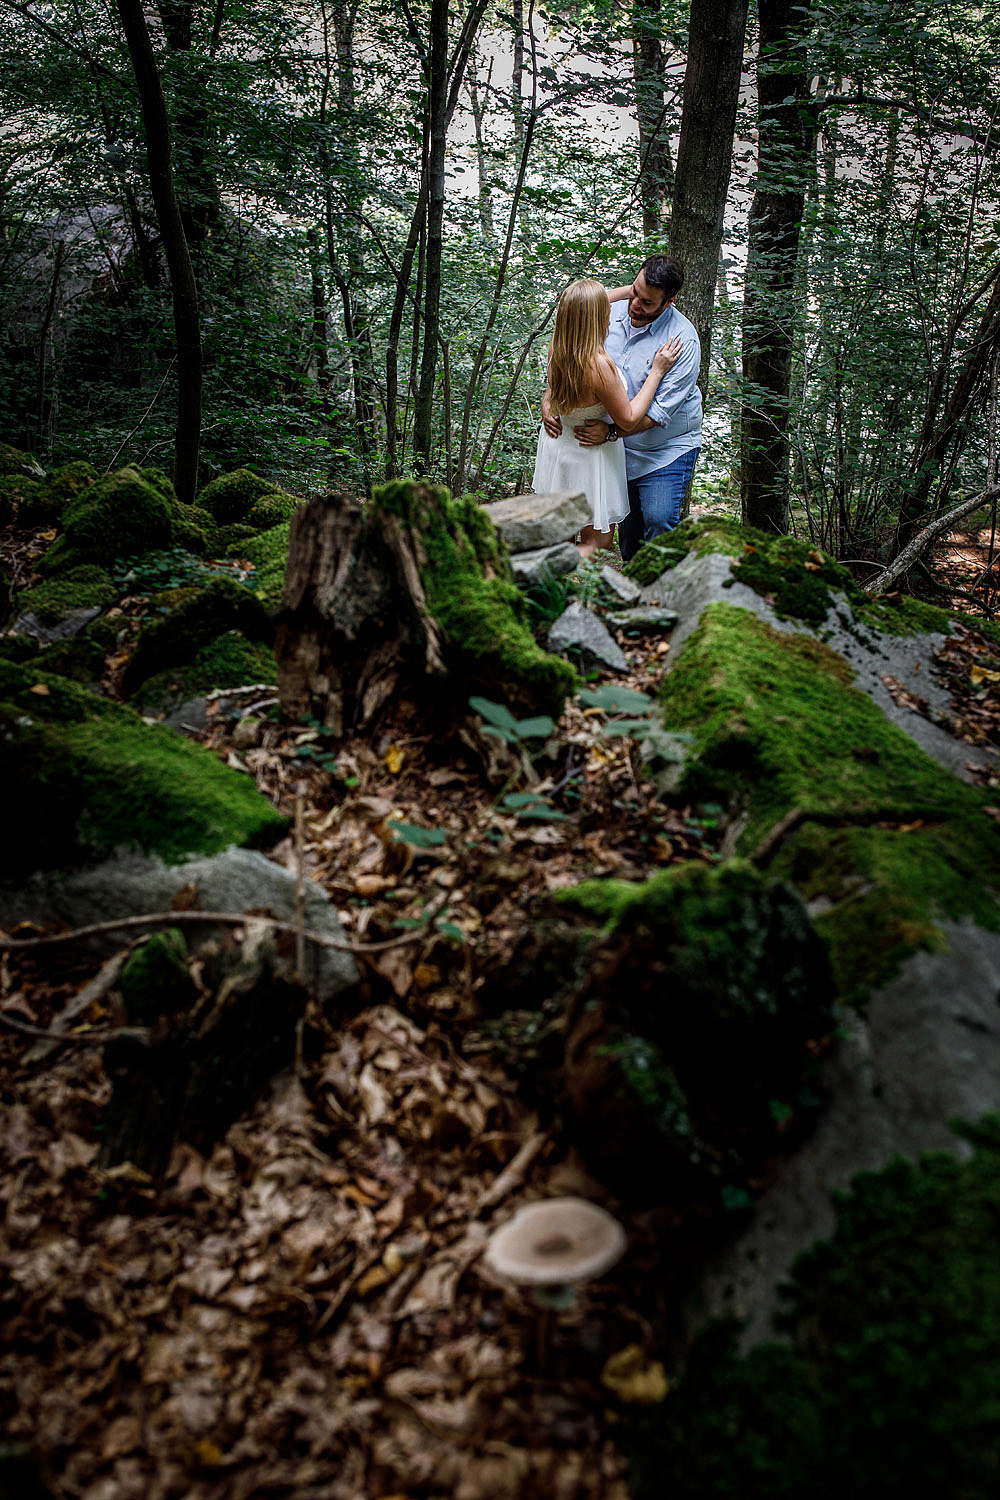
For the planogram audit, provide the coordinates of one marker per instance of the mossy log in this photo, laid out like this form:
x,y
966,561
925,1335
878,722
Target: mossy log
x,y
205,1058
409,596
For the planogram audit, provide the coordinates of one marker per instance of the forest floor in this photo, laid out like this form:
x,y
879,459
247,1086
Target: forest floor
x,y
304,1311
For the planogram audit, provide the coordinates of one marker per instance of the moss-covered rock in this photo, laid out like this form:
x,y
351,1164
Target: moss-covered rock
x,y
233,496
85,587
68,481
888,1387
273,510
467,581
269,554
84,777
706,987
15,461
81,659
22,499
120,515
229,661
883,836
195,529
161,483
176,639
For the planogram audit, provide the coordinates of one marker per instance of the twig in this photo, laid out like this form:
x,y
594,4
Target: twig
x,y
904,562
95,989
225,918
300,878
74,1038
512,1175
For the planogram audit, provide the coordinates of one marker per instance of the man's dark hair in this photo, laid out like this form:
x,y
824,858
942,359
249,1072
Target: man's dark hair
x,y
666,274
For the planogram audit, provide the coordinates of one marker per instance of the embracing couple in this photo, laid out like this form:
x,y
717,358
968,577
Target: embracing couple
x,y
621,417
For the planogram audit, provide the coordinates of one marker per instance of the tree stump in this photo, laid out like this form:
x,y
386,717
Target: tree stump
x,y
205,1058
409,596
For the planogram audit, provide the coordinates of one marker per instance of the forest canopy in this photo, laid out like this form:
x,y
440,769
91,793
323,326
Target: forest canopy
x,y
380,206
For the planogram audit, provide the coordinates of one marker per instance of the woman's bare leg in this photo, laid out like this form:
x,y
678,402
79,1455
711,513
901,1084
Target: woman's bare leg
x,y
592,541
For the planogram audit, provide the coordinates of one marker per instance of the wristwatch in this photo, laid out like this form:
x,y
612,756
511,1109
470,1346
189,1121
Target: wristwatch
x,y
612,432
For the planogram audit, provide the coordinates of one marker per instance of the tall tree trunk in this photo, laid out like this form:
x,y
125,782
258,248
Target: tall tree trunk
x,y
184,290
787,131
350,277
485,193
199,198
655,170
704,158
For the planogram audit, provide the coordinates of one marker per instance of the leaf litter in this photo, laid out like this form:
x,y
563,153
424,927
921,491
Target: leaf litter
x,y
304,1311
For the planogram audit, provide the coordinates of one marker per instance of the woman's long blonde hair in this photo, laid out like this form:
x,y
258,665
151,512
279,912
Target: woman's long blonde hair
x,y
578,338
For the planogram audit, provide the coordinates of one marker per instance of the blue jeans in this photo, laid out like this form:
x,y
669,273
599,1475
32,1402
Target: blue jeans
x,y
655,503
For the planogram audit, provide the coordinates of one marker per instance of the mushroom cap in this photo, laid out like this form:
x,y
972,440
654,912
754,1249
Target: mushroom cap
x,y
556,1241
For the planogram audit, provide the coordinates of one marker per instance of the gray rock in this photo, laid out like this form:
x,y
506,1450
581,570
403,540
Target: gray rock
x,y
189,717
530,568
646,619
926,1051
623,590
578,632
527,522
664,756
874,655
237,881
59,630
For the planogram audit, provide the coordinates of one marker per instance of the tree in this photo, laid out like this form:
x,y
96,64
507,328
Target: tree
x,y
704,157
787,123
184,290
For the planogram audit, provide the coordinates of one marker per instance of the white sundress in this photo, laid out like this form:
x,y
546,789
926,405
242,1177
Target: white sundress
x,y
564,464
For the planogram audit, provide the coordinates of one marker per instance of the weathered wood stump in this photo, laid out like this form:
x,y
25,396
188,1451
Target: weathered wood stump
x,y
408,596
205,1057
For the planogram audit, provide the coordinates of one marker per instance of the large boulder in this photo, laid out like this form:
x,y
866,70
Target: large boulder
x,y
85,778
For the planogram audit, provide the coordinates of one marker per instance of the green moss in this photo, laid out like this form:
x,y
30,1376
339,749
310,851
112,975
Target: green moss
x,y
273,510
227,662
469,592
162,484
25,501
231,497
85,777
156,980
778,726
194,529
120,515
176,639
701,536
71,478
81,659
269,554
14,461
84,587
889,1386
710,981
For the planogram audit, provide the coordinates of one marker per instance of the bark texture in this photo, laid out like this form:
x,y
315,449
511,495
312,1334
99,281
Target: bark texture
x,y
788,125
183,287
704,158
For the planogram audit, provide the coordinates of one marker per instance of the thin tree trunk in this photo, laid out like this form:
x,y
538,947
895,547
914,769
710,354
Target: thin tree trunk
x,y
787,130
43,336
704,158
183,287
655,172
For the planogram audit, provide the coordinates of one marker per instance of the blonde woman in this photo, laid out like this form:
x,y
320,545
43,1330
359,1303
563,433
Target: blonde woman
x,y
584,384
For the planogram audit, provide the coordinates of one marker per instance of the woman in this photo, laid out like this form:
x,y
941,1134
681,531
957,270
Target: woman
x,y
585,383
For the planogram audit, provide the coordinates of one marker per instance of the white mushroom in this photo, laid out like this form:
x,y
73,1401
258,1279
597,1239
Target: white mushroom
x,y
555,1245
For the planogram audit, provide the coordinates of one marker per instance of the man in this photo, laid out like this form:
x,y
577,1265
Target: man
x,y
660,454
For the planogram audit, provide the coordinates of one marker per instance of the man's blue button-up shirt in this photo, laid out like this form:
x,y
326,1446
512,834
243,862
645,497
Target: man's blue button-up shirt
x,y
676,407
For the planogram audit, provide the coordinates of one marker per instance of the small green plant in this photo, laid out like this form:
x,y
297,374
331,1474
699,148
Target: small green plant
x,y
501,723
174,568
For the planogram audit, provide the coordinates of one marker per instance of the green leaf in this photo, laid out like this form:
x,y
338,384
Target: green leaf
x,y
510,735
617,700
420,838
628,726
449,930
530,729
494,713
407,923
